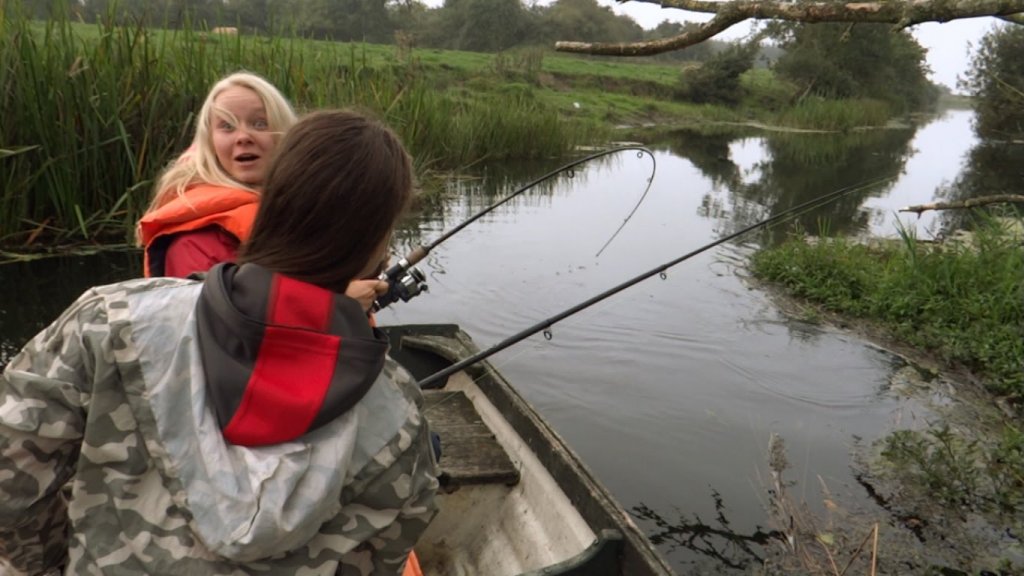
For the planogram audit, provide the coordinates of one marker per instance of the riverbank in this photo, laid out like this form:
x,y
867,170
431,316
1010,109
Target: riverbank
x,y
97,110
953,485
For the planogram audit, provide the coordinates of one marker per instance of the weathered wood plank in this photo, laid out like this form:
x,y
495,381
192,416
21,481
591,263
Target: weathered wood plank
x,y
470,454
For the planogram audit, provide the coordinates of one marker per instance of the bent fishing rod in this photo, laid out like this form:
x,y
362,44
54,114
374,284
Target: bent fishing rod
x,y
545,325
405,280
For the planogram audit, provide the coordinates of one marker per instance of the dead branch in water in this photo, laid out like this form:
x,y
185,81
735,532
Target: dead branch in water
x,y
962,204
813,547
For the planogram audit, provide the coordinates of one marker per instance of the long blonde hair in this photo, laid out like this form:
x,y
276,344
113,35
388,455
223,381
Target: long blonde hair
x,y
199,163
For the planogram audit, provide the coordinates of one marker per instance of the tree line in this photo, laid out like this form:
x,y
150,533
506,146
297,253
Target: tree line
x,y
834,60
474,25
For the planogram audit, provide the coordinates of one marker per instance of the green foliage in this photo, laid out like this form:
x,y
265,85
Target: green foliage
x,y
965,303
89,119
996,80
521,65
855,61
819,113
345,20
483,25
717,81
960,473
586,21
765,90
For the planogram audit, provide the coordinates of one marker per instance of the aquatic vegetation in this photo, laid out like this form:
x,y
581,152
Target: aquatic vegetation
x,y
958,478
823,114
962,302
93,112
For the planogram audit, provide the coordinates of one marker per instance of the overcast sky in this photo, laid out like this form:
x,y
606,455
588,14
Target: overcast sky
x,y
947,43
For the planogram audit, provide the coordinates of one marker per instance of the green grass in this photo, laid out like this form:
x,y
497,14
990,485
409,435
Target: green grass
x,y
92,112
963,303
817,113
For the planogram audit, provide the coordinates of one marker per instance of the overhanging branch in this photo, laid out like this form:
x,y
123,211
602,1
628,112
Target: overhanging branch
x,y
727,13
651,47
969,203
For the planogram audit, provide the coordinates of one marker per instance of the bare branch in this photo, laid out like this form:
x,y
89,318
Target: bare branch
x,y
971,203
902,13
652,47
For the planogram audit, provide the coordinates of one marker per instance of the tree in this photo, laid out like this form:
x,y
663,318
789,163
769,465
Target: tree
x,y
854,61
996,81
902,13
482,25
348,20
586,20
717,81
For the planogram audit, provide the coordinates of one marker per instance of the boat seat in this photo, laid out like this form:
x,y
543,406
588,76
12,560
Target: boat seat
x,y
470,454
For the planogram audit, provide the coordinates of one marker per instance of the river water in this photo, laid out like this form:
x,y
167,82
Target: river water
x,y
669,390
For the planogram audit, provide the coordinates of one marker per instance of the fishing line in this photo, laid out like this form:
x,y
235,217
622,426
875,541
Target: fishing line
x,y
546,324
640,150
406,281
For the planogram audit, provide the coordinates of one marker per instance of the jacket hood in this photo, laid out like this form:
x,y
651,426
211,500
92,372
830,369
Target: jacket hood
x,y
251,381
281,357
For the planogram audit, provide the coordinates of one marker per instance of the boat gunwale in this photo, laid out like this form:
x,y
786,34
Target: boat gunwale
x,y
592,500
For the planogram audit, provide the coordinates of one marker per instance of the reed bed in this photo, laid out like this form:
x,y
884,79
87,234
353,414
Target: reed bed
x,y
91,113
821,114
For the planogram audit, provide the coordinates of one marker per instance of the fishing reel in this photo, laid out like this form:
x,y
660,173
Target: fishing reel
x,y
405,281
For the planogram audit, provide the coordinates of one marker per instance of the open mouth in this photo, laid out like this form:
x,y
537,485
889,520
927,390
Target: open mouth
x,y
246,158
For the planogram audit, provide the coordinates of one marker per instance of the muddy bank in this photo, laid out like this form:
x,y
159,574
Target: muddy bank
x,y
946,482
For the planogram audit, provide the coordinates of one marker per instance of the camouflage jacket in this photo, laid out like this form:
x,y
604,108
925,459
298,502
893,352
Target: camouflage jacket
x,y
110,398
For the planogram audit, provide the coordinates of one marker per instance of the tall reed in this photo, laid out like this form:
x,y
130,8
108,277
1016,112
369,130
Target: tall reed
x,y
89,114
817,113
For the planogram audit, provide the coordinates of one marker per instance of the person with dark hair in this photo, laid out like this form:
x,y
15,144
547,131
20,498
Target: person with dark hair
x,y
248,423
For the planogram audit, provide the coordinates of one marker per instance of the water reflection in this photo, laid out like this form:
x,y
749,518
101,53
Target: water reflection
x,y
33,293
991,168
789,169
466,195
714,545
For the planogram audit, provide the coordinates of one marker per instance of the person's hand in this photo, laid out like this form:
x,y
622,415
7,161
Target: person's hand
x,y
366,291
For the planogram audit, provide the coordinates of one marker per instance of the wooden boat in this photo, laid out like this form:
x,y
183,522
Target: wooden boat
x,y
515,499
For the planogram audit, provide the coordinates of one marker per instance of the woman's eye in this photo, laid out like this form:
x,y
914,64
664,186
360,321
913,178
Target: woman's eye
x,y
225,125
260,125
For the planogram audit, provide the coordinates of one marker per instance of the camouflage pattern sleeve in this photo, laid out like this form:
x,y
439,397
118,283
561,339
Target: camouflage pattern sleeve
x,y
393,504
43,394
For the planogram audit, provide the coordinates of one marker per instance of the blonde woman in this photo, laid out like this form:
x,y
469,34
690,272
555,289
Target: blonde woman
x,y
204,203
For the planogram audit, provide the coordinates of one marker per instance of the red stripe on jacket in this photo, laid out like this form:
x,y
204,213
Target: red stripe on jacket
x,y
283,395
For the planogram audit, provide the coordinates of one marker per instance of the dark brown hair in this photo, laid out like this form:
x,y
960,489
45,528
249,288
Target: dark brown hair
x,y
338,182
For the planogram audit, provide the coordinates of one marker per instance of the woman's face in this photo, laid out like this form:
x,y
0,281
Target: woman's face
x,y
241,135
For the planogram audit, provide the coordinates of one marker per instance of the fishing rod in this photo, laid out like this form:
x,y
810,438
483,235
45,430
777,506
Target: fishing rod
x,y
406,281
545,325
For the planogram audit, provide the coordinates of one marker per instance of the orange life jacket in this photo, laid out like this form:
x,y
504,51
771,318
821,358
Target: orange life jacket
x,y
412,565
202,205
